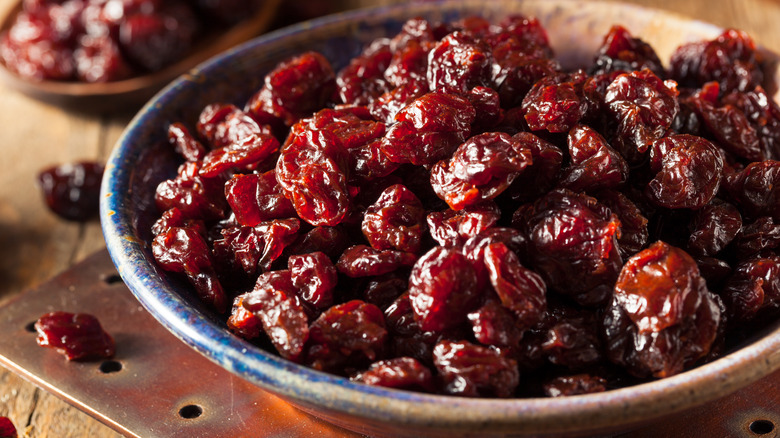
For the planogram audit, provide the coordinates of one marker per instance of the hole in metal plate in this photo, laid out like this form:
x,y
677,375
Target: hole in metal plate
x,y
30,327
190,411
762,427
110,366
112,279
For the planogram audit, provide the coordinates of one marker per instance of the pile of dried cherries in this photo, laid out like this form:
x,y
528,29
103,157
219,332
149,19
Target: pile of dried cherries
x,y
453,212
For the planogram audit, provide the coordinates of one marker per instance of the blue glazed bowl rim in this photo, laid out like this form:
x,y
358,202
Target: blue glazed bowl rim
x,y
336,394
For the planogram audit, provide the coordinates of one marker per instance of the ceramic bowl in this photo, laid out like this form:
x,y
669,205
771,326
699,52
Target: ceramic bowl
x,y
141,159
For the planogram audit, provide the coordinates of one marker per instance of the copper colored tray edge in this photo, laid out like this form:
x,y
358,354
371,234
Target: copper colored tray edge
x,y
163,389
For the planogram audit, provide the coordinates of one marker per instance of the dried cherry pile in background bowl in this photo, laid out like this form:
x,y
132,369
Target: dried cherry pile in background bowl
x,y
109,40
461,209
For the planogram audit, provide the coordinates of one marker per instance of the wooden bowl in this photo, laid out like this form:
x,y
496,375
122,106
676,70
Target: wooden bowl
x,y
141,159
133,92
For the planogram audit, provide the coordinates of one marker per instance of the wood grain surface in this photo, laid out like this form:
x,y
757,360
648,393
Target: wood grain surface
x,y
35,245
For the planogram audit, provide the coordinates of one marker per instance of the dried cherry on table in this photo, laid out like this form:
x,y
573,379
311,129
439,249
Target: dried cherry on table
x,y
454,212
7,428
78,336
72,191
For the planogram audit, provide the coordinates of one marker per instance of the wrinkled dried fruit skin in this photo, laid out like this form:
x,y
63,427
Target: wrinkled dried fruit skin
x,y
242,322
452,228
197,197
474,248
574,385
32,50
755,189
395,221
295,89
520,289
383,290
594,164
620,51
714,226
518,71
77,336
443,289
72,190
346,334
175,218
644,108
459,63
315,277
494,324
313,172
753,290
662,318
362,81
401,373
487,104
542,174
756,237
385,107
730,59
715,271
429,129
184,143
98,59
256,198
690,173
633,224
573,245
571,337
526,34
555,103
248,152
330,240
729,126
479,169
254,249
184,251
472,370
410,53
364,261
275,302
763,114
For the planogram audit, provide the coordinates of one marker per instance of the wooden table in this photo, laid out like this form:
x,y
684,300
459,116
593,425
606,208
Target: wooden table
x,y
35,245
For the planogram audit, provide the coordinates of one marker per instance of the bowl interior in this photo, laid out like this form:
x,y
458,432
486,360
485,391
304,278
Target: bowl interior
x,y
142,158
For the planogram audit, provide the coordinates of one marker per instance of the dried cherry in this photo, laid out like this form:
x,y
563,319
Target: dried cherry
x,y
473,370
479,169
429,129
78,336
574,385
662,317
275,302
573,244
401,372
72,190
443,289
395,221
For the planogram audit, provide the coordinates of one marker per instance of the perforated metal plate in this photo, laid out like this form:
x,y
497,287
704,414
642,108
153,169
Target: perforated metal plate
x,y
156,386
